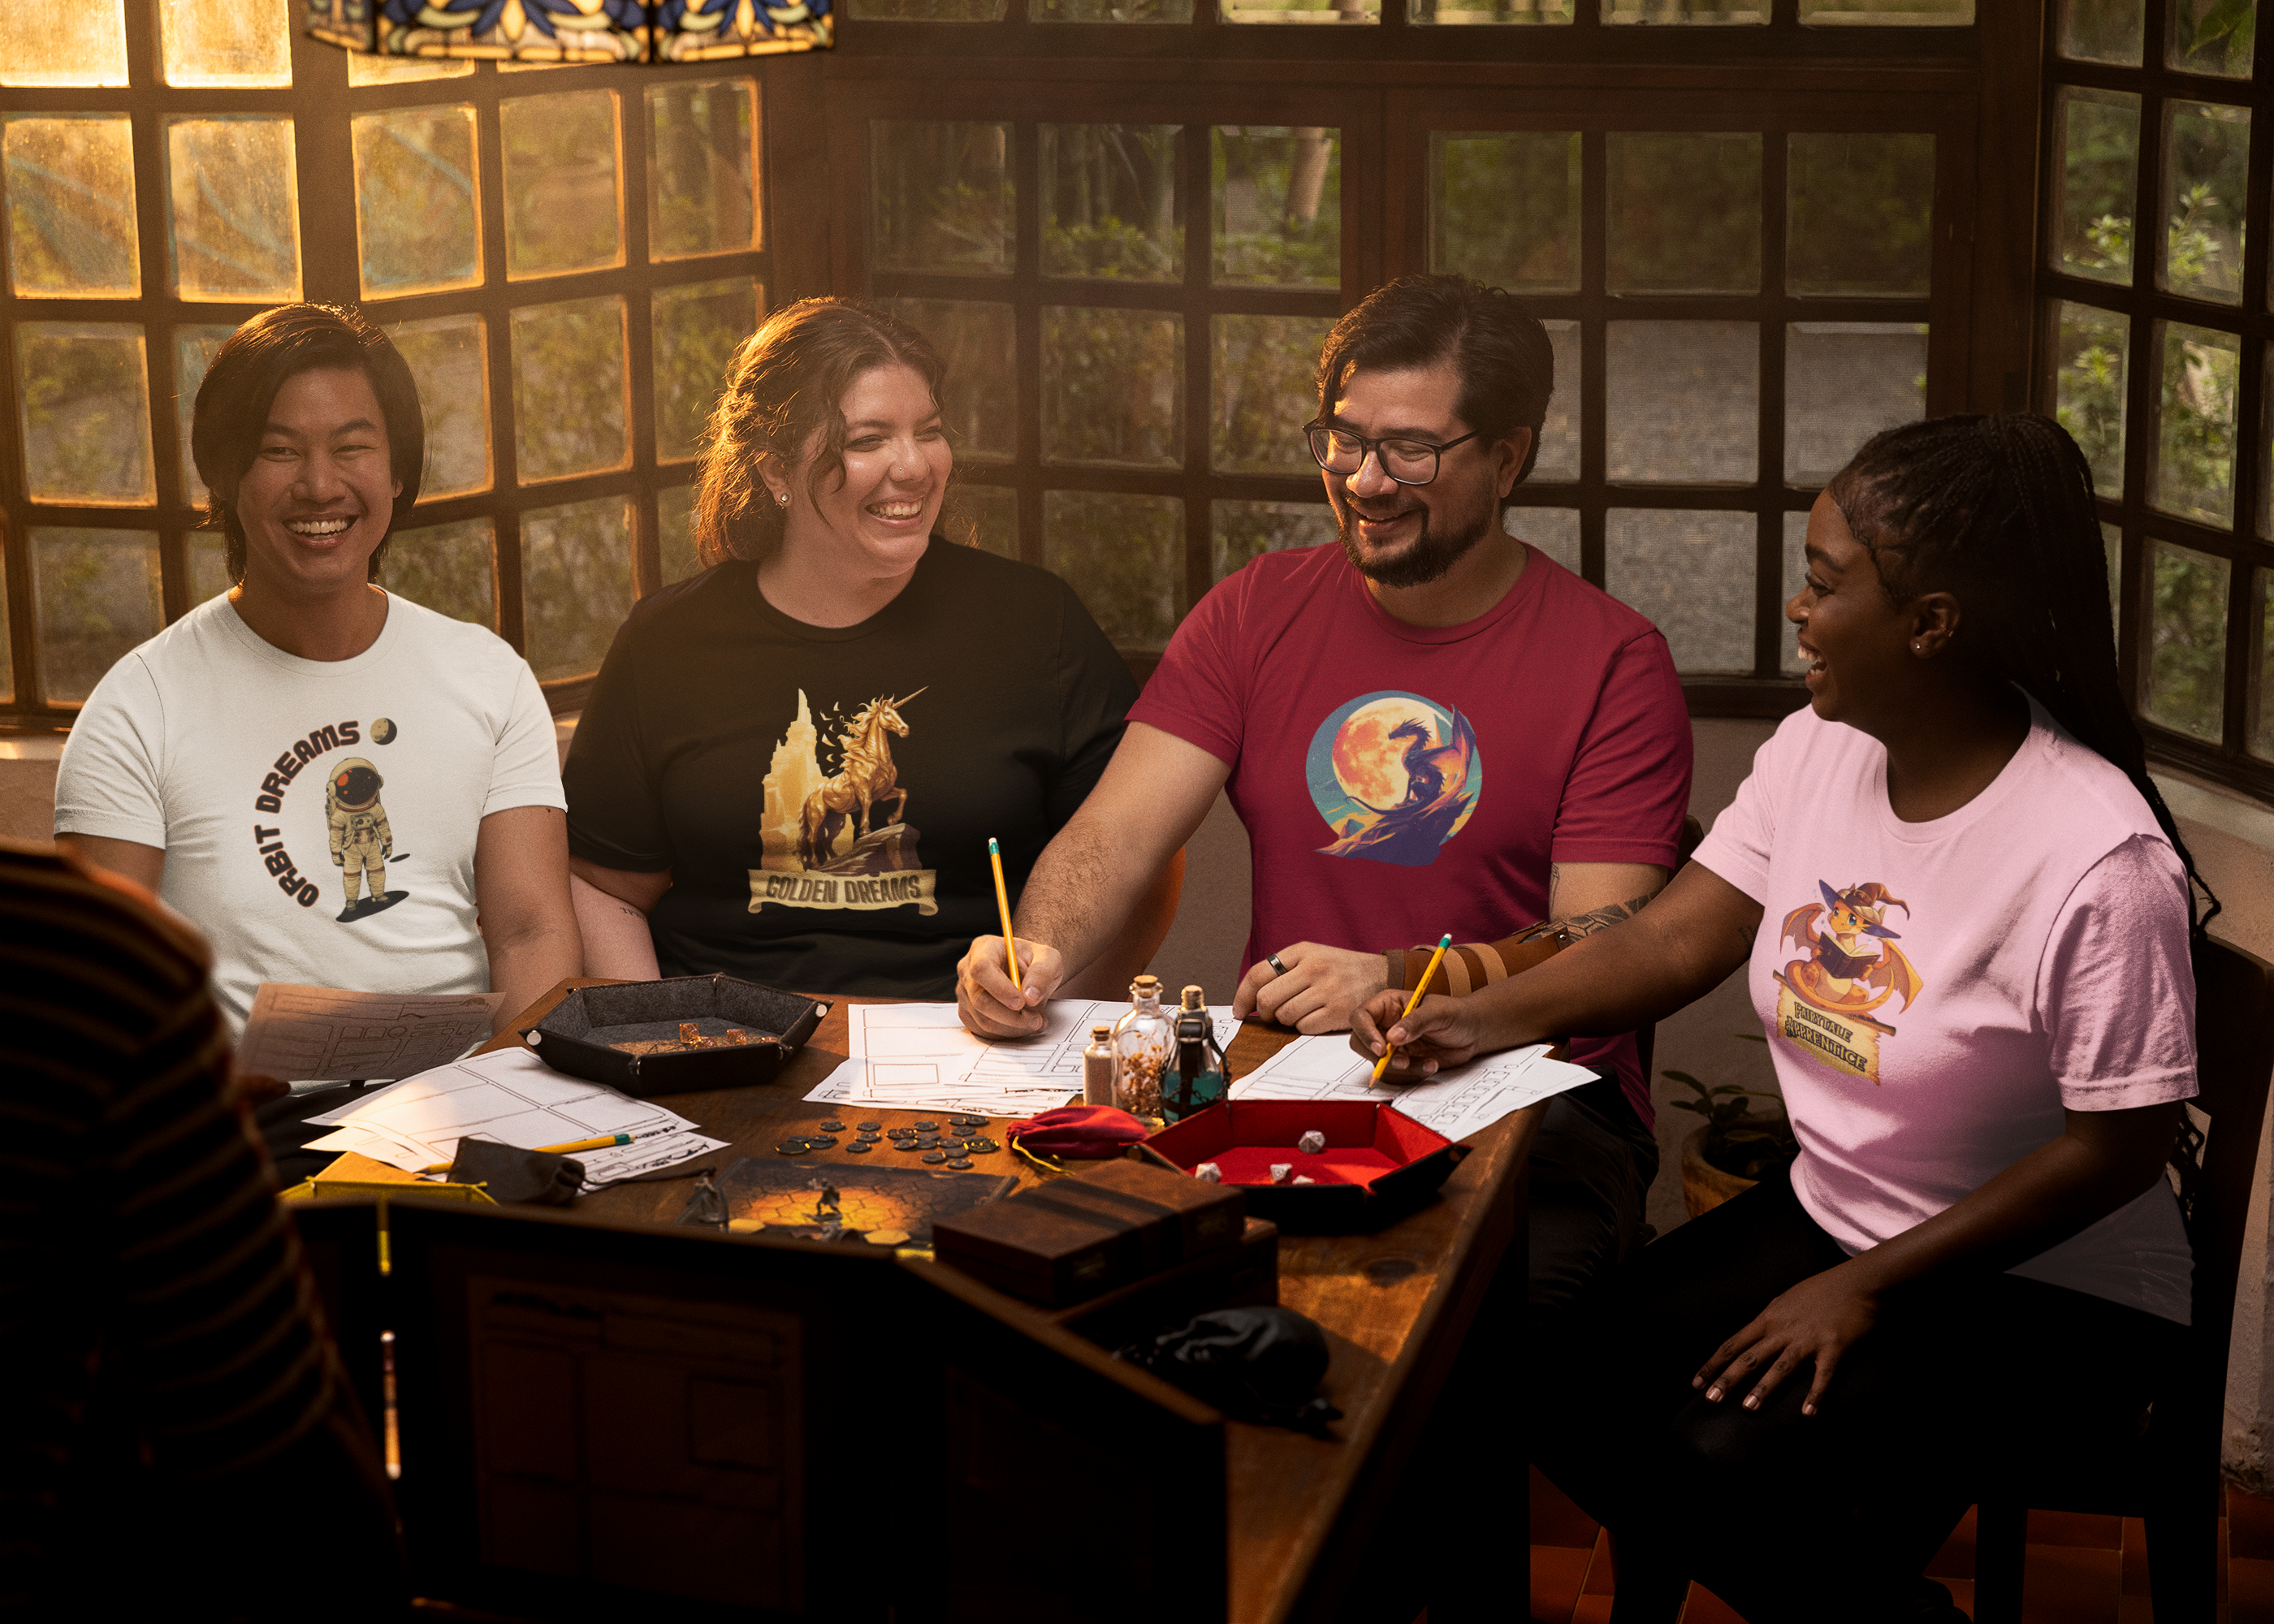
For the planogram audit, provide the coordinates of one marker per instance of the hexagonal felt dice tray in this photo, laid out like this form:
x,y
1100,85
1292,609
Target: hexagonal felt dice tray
x,y
1377,1163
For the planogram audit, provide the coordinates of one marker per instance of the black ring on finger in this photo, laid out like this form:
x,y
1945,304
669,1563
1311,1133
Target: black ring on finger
x,y
1273,960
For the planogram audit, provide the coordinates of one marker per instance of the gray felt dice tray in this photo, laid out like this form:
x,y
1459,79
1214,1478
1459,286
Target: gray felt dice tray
x,y
580,1035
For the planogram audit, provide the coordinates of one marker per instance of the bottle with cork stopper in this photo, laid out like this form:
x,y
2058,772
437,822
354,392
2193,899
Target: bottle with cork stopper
x,y
1200,1059
1097,1067
1143,1042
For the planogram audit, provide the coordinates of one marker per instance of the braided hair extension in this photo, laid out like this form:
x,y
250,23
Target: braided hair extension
x,y
1997,510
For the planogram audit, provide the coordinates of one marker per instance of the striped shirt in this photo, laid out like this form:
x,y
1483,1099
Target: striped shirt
x,y
149,1281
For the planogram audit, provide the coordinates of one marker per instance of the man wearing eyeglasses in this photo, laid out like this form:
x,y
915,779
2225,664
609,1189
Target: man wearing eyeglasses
x,y
1431,728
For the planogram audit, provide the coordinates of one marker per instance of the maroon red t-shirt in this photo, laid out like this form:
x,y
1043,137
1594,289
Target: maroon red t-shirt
x,y
1399,782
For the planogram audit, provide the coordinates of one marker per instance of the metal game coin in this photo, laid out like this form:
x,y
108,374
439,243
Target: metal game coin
x,y
935,1156
905,1145
961,1164
985,1147
868,1139
929,1141
927,1127
858,1147
832,1127
792,1147
868,1127
821,1141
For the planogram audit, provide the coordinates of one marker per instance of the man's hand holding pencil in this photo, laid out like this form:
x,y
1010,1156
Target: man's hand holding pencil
x,y
985,1000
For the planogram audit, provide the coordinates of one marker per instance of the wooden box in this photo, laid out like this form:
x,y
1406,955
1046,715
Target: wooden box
x,y
1245,1276
1075,1237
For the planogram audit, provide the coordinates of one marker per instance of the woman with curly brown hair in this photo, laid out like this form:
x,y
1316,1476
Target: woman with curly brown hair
x,y
791,763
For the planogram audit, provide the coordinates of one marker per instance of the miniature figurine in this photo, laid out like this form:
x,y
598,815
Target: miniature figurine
x,y
1209,1173
707,1206
1312,1143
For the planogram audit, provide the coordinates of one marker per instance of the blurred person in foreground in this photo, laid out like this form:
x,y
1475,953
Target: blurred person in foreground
x,y
176,1438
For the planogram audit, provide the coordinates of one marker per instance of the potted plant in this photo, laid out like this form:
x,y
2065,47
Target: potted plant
x,y
1735,1147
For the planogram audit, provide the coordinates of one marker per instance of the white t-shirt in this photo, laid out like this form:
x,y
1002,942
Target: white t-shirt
x,y
272,782
1936,993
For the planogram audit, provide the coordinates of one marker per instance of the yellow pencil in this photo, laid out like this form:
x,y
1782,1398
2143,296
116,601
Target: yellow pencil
x,y
607,1141
1420,986
1003,901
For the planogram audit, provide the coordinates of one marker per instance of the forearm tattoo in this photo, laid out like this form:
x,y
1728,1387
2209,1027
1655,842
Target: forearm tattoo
x,y
1586,924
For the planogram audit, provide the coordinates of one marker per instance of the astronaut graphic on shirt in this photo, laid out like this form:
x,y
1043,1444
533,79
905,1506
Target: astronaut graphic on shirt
x,y
361,840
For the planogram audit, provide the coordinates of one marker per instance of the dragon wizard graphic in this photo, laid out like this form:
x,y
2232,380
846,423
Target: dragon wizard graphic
x,y
1395,775
1827,1000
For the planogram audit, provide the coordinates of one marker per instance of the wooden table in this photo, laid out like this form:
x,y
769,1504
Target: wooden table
x,y
1394,1306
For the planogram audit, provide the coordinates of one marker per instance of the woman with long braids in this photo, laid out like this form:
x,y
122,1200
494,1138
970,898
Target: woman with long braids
x,y
1964,914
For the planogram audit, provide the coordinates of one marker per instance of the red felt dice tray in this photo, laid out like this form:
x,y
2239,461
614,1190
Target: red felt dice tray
x,y
1377,1162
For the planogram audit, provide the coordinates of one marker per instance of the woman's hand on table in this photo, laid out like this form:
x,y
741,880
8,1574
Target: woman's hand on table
x,y
986,1002
1440,1031
1814,1322
1319,990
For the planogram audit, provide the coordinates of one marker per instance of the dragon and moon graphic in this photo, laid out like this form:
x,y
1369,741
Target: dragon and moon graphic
x,y
836,833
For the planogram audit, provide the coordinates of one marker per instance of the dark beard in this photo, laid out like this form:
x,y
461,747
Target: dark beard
x,y
1429,558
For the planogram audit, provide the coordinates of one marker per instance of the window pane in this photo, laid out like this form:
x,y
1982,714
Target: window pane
x,y
448,359
1110,206
96,596
1685,11
1886,13
2111,548
978,343
446,568
208,567
1843,382
2093,348
2212,36
1111,10
1685,214
2099,136
926,11
70,183
941,196
2187,641
702,168
2206,178
1692,574
1278,203
1262,367
1113,386
1301,10
368,70
1124,555
675,516
1684,401
1553,531
224,43
2103,31
696,329
2261,680
1559,435
1243,530
193,352
568,408
1861,211
575,583
418,218
1796,572
982,515
1505,209
1491,12
83,390
74,45
2194,438
236,211
563,205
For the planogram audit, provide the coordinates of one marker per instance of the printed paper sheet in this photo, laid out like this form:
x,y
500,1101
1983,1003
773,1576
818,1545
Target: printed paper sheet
x,y
300,1033
1456,1101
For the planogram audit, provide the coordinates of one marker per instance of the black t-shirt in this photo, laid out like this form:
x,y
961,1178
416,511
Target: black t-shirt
x,y
823,797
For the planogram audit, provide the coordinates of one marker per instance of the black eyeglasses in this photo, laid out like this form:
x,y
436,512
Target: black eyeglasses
x,y
1408,461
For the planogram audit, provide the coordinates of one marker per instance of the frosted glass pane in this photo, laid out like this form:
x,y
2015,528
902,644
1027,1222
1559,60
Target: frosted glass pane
x,y
1553,531
1245,530
941,196
1796,576
2108,31
563,205
83,398
1861,216
1278,205
2261,680
1111,10
234,195
96,596
568,392
2091,348
1113,386
194,349
2206,181
417,204
982,515
1886,13
674,515
926,11
1843,382
69,185
1491,11
2187,641
1685,214
230,44
977,341
1111,203
2096,188
208,567
2212,36
1124,555
1504,208
449,358
2195,428
702,168
446,568
77,44
1559,434
1692,574
576,583
1683,401
1261,369
696,328
366,69
1301,10
1694,11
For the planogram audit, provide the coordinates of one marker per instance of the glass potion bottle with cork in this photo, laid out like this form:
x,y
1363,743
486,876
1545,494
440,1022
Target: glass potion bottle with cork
x,y
1144,1045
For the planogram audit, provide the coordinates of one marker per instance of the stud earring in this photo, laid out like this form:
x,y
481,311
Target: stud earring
x,y
1918,647
783,498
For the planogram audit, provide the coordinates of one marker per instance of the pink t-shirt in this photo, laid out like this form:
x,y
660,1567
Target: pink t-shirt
x,y
1936,993
1399,782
